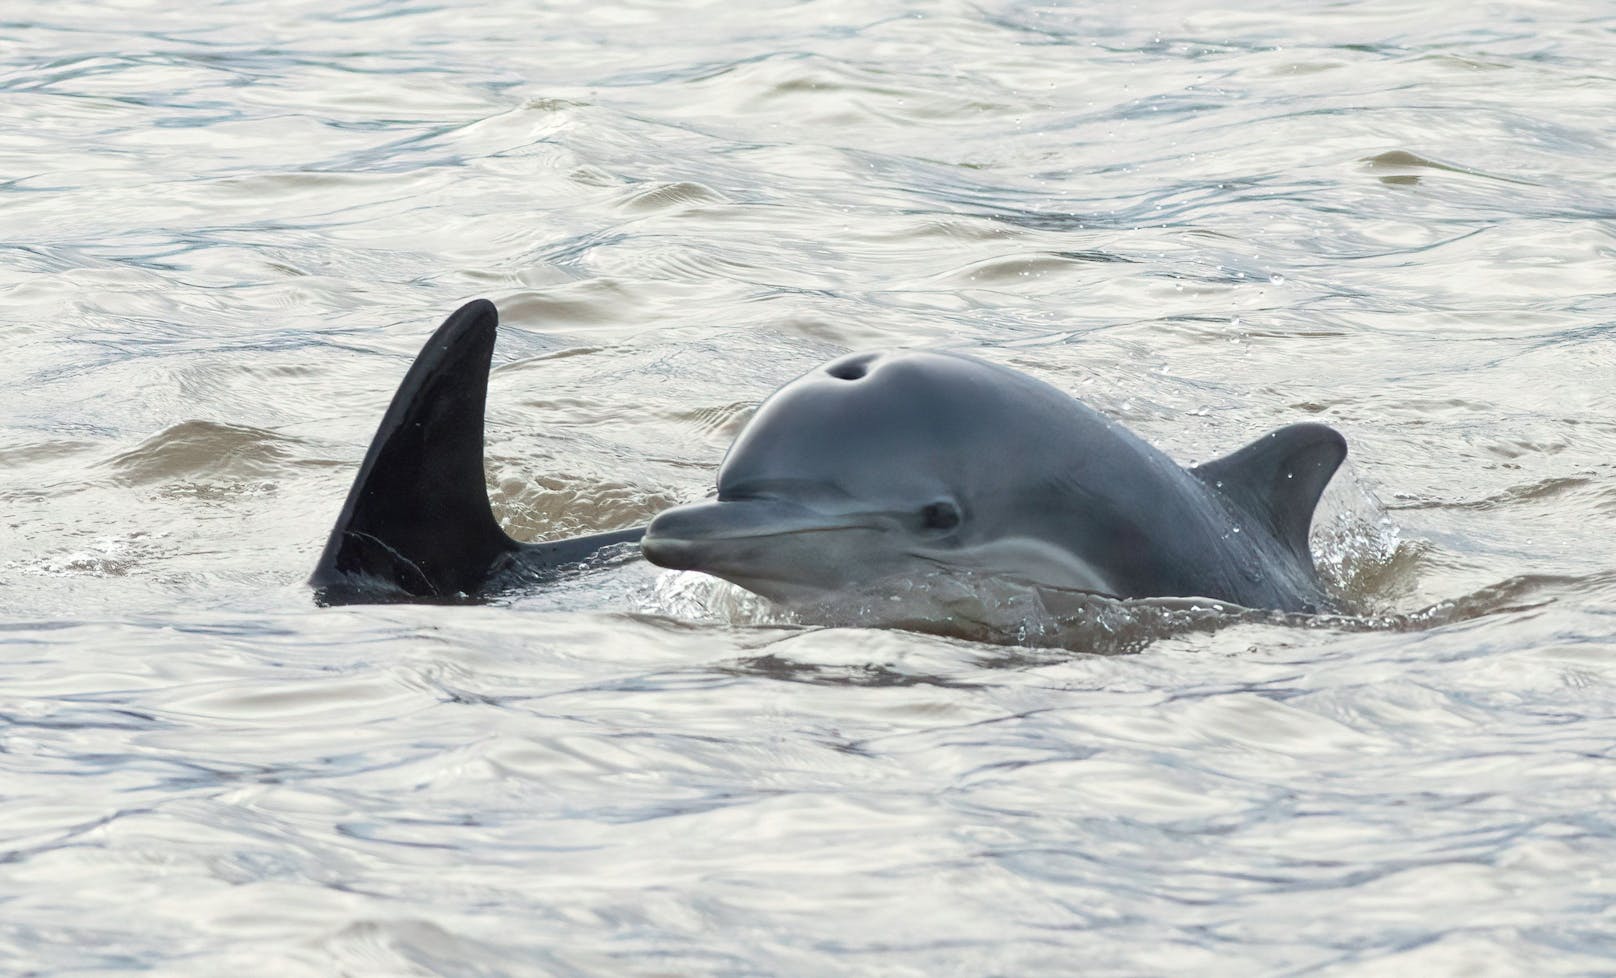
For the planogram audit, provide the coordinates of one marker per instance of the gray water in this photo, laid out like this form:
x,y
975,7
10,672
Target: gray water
x,y
225,229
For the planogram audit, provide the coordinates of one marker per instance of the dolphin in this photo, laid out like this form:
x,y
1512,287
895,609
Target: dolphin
x,y
871,468
880,466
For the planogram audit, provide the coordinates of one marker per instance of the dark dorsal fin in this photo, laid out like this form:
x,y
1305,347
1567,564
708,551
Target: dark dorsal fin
x,y
417,516
417,519
1278,479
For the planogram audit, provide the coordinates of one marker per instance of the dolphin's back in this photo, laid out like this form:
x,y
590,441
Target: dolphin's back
x,y
1235,529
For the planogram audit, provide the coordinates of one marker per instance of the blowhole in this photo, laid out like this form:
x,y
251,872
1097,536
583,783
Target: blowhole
x,y
854,368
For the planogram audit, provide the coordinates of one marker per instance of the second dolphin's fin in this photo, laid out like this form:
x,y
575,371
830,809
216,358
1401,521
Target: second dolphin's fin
x,y
417,522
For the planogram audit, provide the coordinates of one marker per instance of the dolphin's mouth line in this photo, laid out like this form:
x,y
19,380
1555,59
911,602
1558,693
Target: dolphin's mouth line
x,y
750,537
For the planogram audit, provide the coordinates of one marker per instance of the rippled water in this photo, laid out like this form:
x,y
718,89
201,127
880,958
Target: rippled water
x,y
226,229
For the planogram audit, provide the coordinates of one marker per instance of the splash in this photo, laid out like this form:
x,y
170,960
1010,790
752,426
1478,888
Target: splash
x,y
1359,550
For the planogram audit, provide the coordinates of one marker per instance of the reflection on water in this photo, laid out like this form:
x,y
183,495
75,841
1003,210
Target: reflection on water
x,y
225,230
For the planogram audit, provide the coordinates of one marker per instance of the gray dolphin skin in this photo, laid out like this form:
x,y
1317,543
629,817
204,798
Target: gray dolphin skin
x,y
885,465
873,468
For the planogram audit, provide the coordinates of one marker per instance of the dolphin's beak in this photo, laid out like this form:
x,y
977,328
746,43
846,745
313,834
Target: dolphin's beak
x,y
714,536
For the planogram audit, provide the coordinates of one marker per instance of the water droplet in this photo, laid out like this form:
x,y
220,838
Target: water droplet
x,y
1277,279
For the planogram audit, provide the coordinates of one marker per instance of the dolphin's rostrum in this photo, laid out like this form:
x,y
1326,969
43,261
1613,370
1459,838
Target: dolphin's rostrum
x,y
874,467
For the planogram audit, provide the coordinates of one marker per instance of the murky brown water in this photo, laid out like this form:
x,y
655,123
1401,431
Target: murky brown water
x,y
224,231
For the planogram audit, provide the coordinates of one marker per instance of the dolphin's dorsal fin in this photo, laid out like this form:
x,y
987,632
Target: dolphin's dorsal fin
x,y
417,522
1278,479
418,516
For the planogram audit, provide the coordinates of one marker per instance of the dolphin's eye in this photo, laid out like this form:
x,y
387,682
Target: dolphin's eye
x,y
941,515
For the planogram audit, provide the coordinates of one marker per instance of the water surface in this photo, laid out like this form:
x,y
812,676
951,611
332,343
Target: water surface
x,y
225,230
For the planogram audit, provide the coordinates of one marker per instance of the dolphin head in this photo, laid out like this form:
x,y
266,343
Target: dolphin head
x,y
871,467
